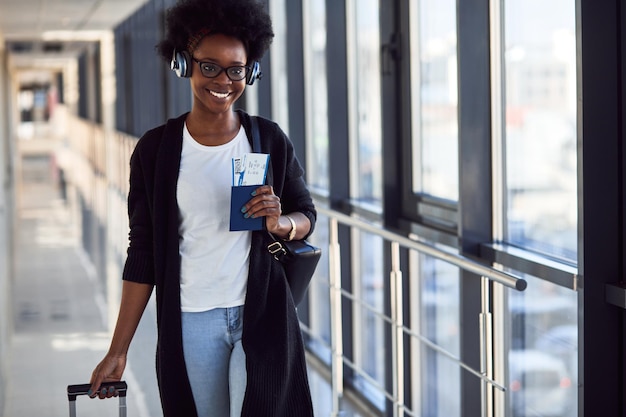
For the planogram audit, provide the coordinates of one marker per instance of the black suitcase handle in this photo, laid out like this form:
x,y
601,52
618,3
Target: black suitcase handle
x,y
82,389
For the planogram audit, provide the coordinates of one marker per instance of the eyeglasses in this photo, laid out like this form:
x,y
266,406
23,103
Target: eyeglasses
x,y
211,70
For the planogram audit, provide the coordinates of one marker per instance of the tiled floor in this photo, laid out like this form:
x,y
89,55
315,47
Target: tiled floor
x,y
58,330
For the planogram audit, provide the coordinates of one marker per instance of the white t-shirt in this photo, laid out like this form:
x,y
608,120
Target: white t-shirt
x,y
214,260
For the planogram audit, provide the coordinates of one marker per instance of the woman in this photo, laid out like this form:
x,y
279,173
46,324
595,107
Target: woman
x,y
229,341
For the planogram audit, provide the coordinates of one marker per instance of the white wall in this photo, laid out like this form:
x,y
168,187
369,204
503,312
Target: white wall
x,y
7,204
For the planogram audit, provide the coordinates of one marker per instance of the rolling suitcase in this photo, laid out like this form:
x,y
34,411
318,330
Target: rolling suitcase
x,y
75,390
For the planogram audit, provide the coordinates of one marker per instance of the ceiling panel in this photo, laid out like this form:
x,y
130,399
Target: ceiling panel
x,y
29,19
43,33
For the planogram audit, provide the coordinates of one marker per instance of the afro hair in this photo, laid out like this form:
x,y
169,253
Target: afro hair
x,y
245,20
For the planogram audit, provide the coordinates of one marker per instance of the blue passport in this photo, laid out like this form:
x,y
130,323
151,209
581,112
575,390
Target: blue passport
x,y
239,196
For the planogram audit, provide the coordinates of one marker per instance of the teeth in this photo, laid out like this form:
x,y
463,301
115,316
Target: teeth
x,y
219,95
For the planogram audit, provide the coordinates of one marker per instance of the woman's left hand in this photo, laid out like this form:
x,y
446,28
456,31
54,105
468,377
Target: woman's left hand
x,y
264,203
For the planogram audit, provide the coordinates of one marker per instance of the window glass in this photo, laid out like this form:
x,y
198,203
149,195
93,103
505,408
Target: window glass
x,y
439,322
319,295
543,360
314,12
434,98
369,326
365,101
541,126
280,112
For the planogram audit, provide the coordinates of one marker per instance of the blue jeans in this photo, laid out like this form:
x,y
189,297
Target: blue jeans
x,y
215,360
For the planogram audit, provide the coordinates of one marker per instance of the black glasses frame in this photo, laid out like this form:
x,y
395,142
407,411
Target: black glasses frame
x,y
232,77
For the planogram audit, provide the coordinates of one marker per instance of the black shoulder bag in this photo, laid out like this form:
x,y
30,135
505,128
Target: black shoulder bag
x,y
298,257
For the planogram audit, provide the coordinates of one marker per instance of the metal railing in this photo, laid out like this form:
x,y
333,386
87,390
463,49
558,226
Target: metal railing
x,y
399,330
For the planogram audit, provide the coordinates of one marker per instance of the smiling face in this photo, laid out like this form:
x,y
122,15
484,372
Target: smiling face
x,y
217,95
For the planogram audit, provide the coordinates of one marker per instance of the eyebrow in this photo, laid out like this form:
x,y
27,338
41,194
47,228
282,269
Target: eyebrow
x,y
215,61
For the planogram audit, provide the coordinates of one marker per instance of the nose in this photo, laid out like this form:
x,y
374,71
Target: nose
x,y
222,77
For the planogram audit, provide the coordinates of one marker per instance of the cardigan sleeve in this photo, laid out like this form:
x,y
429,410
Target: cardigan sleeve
x,y
288,174
139,266
297,198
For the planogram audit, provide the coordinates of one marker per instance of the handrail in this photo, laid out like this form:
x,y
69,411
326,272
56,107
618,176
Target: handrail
x,y
456,259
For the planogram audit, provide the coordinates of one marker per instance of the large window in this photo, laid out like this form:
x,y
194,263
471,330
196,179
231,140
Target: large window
x,y
365,139
434,98
540,200
280,112
533,206
364,101
314,21
543,359
436,388
319,296
369,326
540,120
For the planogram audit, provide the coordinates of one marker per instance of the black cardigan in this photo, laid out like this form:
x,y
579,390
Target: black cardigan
x,y
275,362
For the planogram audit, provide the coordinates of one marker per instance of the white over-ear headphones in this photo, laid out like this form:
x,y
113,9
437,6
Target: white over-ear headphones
x,y
181,64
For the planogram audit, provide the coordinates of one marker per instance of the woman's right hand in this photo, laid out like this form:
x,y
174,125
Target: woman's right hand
x,y
135,296
110,368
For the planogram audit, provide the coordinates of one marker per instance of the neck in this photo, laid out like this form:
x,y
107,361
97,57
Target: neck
x,y
213,129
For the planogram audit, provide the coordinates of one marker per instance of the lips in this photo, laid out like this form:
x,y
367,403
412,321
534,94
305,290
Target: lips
x,y
218,94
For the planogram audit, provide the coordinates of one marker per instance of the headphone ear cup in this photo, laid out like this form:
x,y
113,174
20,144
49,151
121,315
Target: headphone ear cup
x,y
254,74
181,64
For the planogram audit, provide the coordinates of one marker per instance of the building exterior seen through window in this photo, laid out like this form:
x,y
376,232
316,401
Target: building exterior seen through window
x,y
316,97
364,101
540,145
434,95
541,126
539,203
436,309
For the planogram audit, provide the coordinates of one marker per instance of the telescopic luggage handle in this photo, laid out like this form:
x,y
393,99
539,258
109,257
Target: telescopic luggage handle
x,y
83,389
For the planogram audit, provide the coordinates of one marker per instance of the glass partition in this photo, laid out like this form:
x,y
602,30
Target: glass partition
x,y
365,101
541,126
368,310
434,98
314,20
437,387
543,355
319,295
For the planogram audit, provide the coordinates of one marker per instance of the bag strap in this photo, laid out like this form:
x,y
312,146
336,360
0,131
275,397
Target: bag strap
x,y
256,136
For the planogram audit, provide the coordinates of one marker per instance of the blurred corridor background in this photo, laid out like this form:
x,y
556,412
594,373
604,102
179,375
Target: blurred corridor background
x,y
467,159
